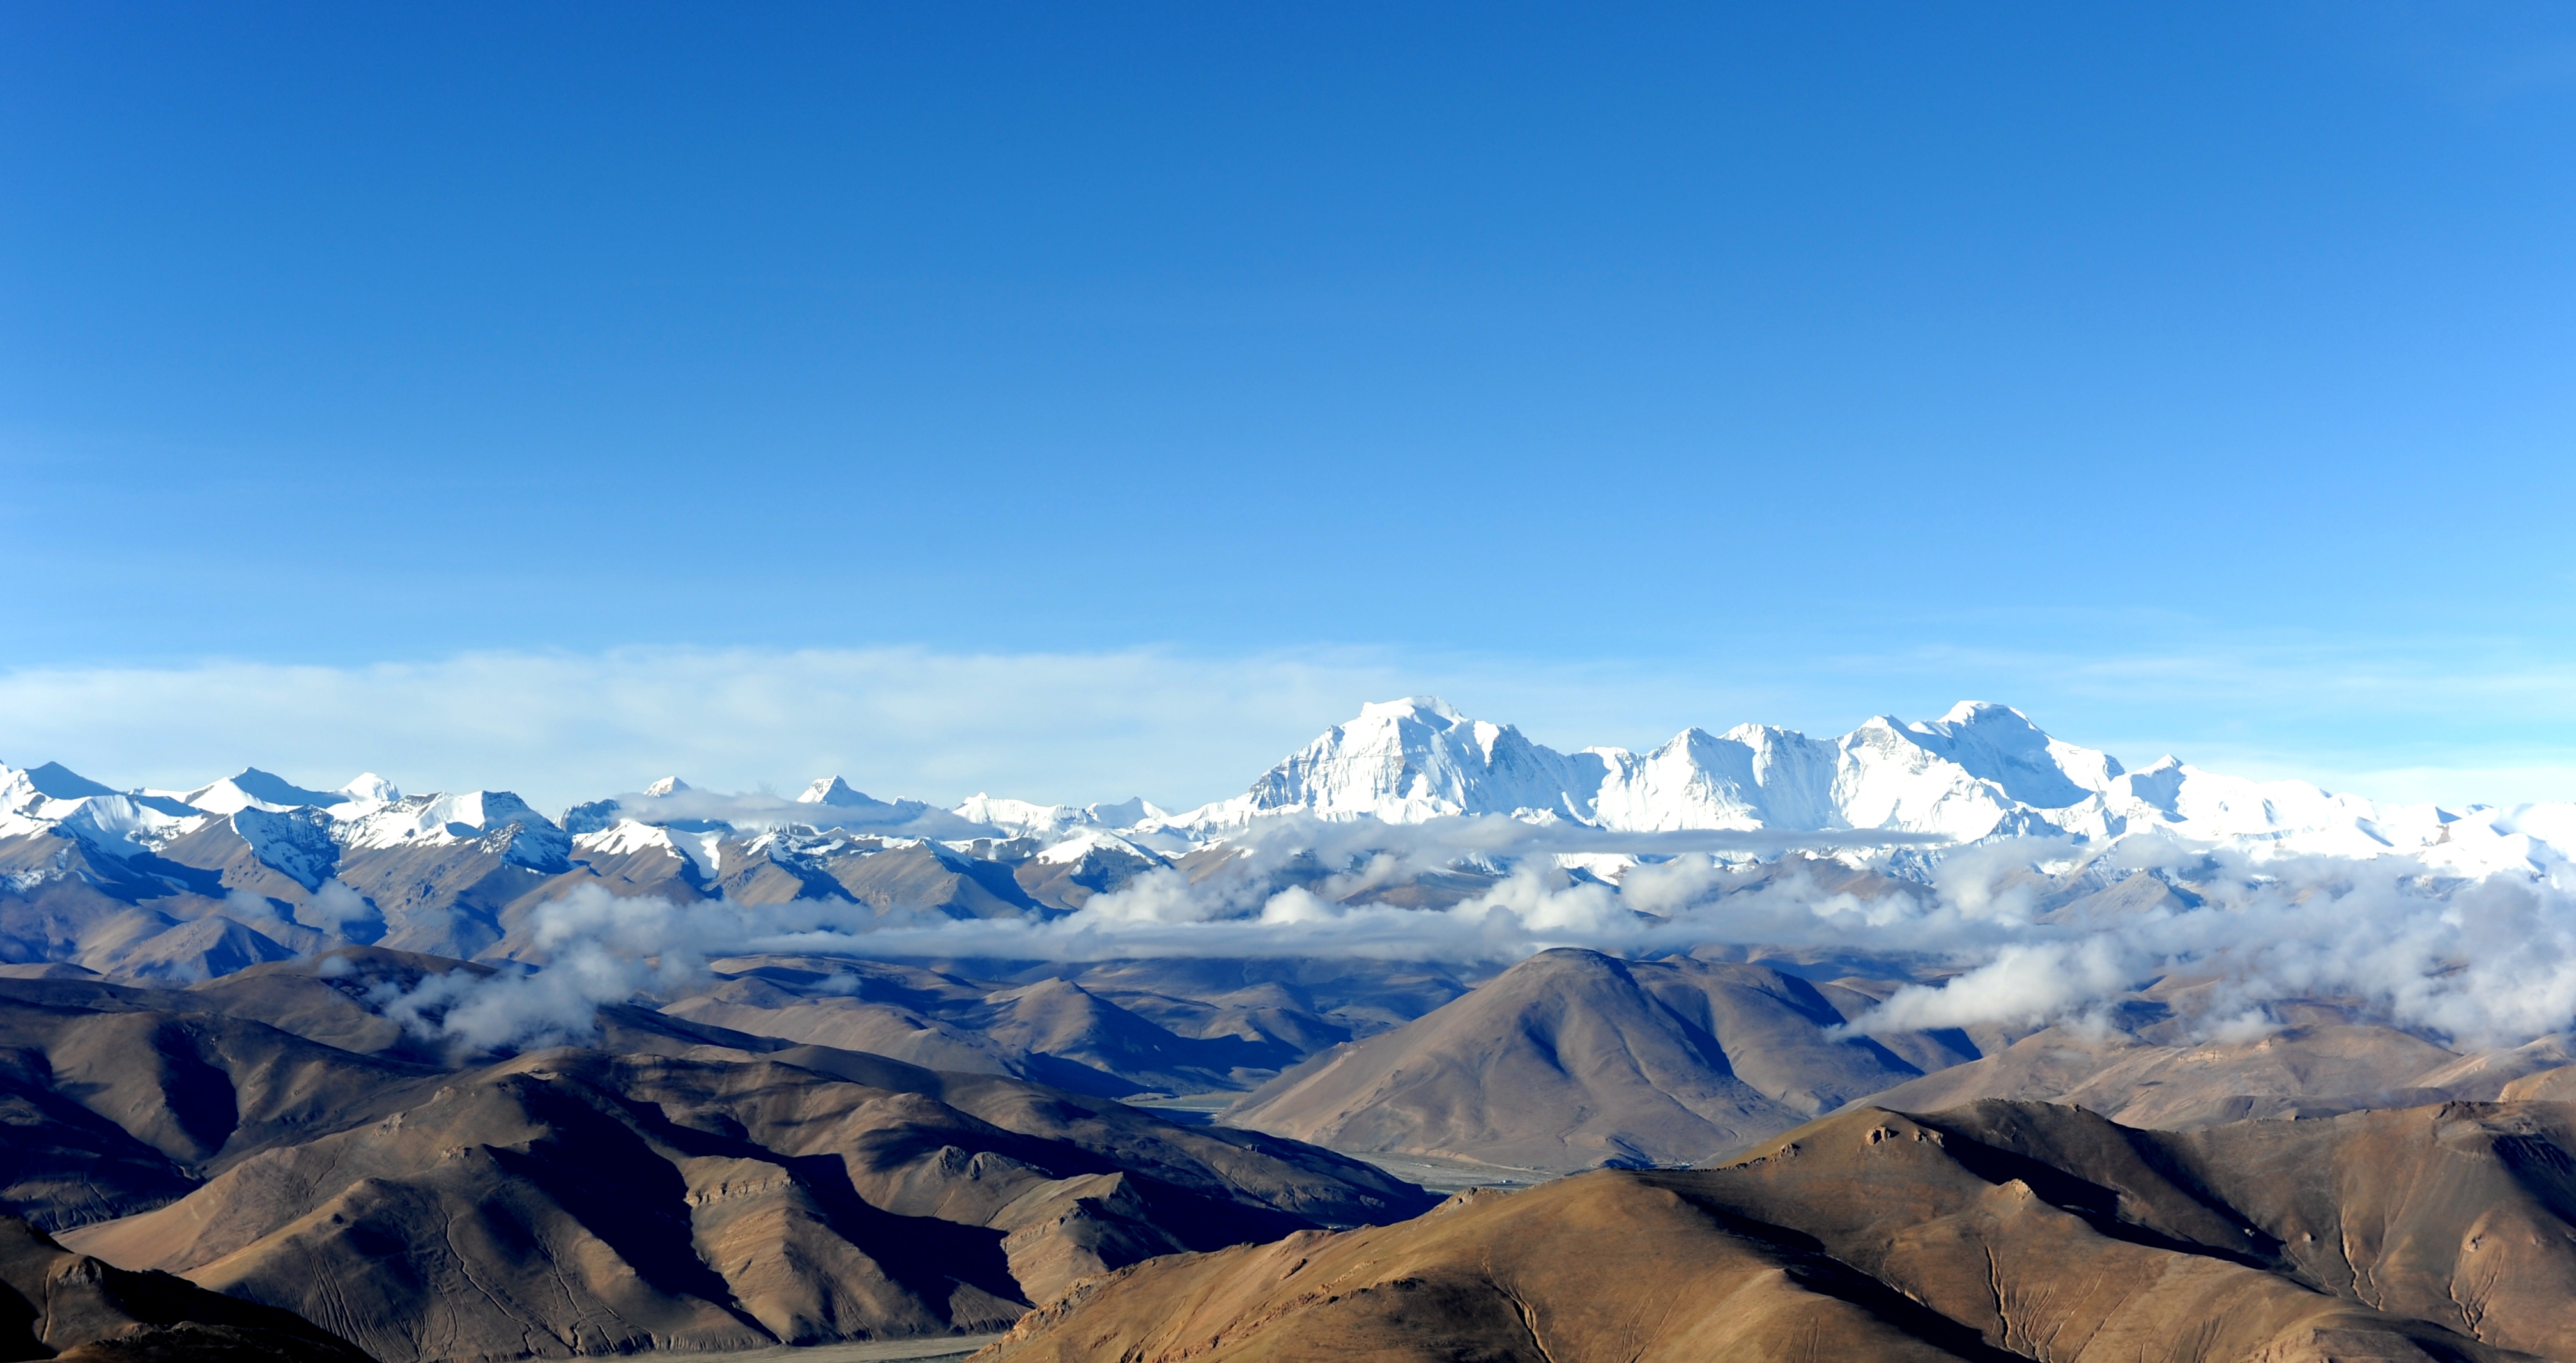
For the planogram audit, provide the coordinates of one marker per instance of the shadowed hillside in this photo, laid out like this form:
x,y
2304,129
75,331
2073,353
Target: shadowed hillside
x,y
668,1185
1572,1059
56,1303
1997,1231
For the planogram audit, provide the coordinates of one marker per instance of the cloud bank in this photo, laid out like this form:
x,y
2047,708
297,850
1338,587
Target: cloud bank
x,y
2008,932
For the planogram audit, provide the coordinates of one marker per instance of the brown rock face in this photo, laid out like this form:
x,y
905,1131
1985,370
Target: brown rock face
x,y
2001,1230
54,1302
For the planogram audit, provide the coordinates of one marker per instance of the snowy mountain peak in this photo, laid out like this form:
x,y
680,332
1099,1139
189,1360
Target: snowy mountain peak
x,y
1998,743
1754,735
1427,709
368,788
1413,759
498,818
832,790
1022,818
1983,711
1980,771
2159,787
110,821
1135,809
278,790
256,789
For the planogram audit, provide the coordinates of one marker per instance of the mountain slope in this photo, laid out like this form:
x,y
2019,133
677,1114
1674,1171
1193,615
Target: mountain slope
x,y
2324,1067
274,1136
58,1304
574,1201
1050,1030
1573,1058
1998,1231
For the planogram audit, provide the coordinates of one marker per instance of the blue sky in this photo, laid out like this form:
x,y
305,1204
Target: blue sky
x,y
2196,378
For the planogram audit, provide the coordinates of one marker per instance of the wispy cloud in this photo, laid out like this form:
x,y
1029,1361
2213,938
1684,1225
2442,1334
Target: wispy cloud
x,y
1177,728
896,722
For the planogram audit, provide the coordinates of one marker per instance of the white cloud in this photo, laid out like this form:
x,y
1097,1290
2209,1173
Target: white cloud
x,y
1179,729
558,728
2479,962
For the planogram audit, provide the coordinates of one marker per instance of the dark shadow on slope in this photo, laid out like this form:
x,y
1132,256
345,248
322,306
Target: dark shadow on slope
x,y
1807,1264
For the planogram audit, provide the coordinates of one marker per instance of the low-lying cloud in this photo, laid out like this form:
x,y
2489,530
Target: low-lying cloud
x,y
1996,933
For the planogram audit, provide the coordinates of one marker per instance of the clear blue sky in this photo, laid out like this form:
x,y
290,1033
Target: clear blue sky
x,y
2186,374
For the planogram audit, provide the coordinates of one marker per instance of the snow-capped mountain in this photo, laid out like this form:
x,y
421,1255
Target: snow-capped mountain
x,y
1981,771
1047,823
369,812
1973,773
452,872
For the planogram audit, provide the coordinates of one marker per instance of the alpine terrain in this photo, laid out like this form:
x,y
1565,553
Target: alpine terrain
x,y
1943,1038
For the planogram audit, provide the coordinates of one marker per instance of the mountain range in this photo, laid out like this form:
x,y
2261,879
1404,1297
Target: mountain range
x,y
438,1078
190,883
1981,771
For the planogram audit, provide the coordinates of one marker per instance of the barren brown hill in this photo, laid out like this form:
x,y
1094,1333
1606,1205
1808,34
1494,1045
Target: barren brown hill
x,y
337,998
572,1201
2326,1067
326,998
114,1100
1113,1028
1327,1000
2555,1085
55,1303
2005,1230
1572,1059
674,1184
1049,1031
